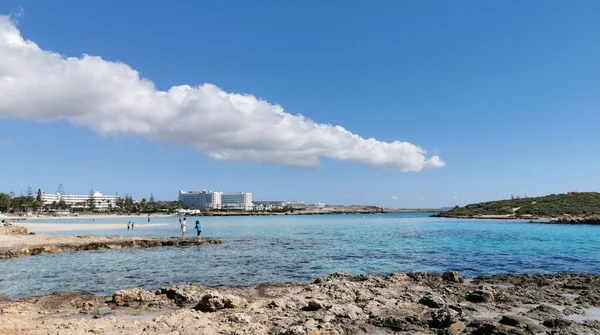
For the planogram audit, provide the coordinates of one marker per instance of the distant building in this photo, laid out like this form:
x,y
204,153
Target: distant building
x,y
241,200
204,200
209,200
294,204
100,202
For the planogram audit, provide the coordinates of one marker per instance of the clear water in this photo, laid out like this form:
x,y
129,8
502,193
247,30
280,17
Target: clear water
x,y
300,248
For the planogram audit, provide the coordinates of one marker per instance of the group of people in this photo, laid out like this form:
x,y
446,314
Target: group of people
x,y
183,225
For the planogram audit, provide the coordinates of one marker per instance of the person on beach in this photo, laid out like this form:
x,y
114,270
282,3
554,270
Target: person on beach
x,y
128,225
183,224
198,228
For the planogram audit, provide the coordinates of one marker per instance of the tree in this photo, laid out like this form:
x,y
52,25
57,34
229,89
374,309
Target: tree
x,y
5,202
60,189
11,194
29,192
39,195
91,203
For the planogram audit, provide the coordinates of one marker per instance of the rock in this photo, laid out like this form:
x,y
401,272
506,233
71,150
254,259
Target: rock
x,y
443,318
213,302
480,296
240,318
399,323
123,297
513,320
351,312
543,312
557,323
314,305
294,330
452,276
432,300
104,310
190,293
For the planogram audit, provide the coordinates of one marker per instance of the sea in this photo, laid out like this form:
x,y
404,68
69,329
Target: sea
x,y
291,248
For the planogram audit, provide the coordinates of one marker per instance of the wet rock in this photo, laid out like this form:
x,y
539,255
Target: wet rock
x,y
543,312
124,297
514,320
432,300
452,276
213,302
557,323
480,296
443,318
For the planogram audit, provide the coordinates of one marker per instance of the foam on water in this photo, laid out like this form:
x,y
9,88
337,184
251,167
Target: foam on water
x,y
300,248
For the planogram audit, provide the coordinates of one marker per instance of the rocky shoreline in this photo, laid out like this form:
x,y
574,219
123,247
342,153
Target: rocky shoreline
x,y
28,245
413,303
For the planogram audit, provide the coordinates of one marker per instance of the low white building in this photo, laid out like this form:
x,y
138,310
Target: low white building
x,y
100,202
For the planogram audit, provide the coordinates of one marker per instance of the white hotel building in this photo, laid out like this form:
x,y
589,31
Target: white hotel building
x,y
101,202
209,200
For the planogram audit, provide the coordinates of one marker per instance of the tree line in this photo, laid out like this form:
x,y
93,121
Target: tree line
x,y
9,203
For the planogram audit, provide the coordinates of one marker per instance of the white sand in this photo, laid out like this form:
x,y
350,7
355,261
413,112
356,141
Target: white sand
x,y
52,227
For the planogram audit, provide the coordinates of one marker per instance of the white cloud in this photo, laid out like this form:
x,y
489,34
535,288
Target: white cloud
x,y
394,197
112,99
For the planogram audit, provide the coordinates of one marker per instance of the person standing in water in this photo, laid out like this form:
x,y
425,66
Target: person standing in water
x,y
183,224
148,218
128,225
132,225
198,228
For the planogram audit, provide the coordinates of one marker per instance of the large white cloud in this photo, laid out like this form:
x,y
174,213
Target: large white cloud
x,y
111,98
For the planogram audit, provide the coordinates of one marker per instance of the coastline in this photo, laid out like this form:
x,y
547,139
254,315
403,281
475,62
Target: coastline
x,y
559,219
414,303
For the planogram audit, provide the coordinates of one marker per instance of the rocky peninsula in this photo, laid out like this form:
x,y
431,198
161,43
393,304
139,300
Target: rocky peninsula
x,y
413,303
15,242
570,208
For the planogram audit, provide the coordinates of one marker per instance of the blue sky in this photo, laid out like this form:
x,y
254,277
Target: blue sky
x,y
506,93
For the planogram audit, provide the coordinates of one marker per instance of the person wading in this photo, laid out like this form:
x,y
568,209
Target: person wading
x,y
183,224
198,229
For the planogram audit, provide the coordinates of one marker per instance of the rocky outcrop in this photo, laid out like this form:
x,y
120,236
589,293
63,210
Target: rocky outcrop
x,y
56,244
415,303
569,219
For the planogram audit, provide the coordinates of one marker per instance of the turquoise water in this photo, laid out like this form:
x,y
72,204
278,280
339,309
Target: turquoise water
x,y
300,248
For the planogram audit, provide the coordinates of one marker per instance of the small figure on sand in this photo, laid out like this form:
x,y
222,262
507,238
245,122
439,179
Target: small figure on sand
x,y
183,224
132,225
198,229
128,225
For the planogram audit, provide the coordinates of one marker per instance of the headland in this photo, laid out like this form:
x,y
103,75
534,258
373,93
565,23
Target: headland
x,y
567,208
412,303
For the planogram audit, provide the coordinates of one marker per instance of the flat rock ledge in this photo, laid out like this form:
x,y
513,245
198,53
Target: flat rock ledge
x,y
39,244
413,303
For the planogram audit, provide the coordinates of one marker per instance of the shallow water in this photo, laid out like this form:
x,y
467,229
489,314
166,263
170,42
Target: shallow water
x,y
300,248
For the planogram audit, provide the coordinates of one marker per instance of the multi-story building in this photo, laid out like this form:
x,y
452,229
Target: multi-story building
x,y
209,200
241,200
201,200
96,199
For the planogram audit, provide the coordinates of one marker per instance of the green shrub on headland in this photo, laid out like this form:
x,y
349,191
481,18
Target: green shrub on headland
x,y
573,203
